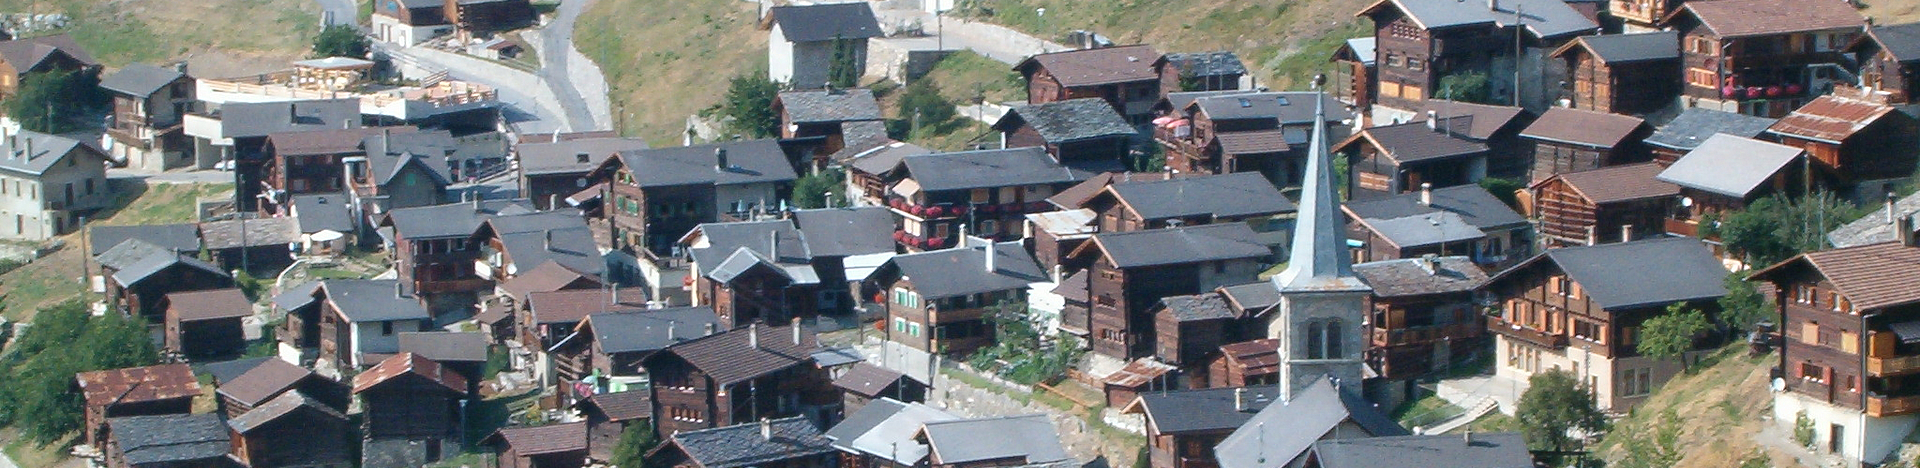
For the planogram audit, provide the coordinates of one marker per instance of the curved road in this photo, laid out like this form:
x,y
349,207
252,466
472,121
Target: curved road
x,y
339,12
561,65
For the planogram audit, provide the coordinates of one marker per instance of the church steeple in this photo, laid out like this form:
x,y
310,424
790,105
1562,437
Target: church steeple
x,y
1319,259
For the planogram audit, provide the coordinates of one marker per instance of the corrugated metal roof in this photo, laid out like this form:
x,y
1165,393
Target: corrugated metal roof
x,y
1830,118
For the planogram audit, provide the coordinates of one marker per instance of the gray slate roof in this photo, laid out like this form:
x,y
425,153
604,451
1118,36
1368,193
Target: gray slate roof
x,y
1409,277
531,239
1414,142
564,157
1544,18
822,106
741,445
1222,196
988,168
751,161
226,371
32,153
647,330
1424,229
1497,450
963,271
259,119
372,300
452,219
1203,306
822,22
1253,296
184,237
1216,63
389,154
297,296
322,212
1471,202
885,428
446,346
173,438
1694,125
1280,433
723,239
280,406
1207,409
1901,40
1730,165
140,79
1363,49
840,232
1031,439
1069,120
153,261
1290,107
885,158
1190,244
1875,227
25,54
1641,273
1628,48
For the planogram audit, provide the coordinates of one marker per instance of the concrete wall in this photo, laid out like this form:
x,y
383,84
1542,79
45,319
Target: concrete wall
x,y
389,29
1863,438
904,59
24,213
779,56
1603,373
367,338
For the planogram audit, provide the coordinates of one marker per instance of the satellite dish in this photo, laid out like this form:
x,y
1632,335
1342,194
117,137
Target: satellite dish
x,y
1686,202
1778,384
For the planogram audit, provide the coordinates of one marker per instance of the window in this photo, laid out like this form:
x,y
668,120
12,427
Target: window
x,y
1315,333
1810,332
989,227
1558,285
1813,372
978,195
913,329
386,328
1416,64
1394,60
1636,382
89,186
906,298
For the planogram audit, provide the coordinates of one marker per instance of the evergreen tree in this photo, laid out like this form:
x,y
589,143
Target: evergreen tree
x,y
635,442
749,102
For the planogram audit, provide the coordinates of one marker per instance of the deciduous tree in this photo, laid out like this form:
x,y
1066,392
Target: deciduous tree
x,y
1555,407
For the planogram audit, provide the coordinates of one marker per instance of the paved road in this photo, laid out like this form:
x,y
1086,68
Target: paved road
x,y
338,12
570,75
532,105
991,40
172,177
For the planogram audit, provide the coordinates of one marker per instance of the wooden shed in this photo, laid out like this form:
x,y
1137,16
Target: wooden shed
x,y
207,323
1587,208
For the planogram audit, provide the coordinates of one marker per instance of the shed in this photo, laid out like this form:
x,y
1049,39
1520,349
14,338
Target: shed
x,y
207,323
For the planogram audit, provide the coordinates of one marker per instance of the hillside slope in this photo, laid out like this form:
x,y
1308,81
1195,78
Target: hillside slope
x,y
223,36
1719,406
665,60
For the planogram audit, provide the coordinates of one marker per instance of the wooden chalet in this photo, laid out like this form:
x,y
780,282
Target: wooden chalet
x,y
412,411
1573,140
393,178
608,415
1614,204
1183,426
1460,220
1133,270
206,323
1762,57
360,320
1888,56
867,171
550,446
934,195
1424,318
308,162
863,383
435,253
1623,73
466,353
1130,78
1418,42
167,441
736,377
1695,125
1353,79
1725,173
291,430
1026,440
604,353
1399,158
1083,133
1127,206
54,53
134,391
1585,305
939,301
757,271
833,116
272,378
1228,132
769,443
513,243
656,195
1208,71
550,316
1189,330
1246,364
1509,155
139,275
149,104
1856,138
552,170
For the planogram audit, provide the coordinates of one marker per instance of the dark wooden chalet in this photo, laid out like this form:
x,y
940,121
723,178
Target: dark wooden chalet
x,y
1418,42
1846,347
1130,78
513,243
1190,329
656,195
737,377
206,323
411,410
299,306
1615,204
312,161
1585,305
550,446
1509,155
1246,364
135,391
1352,80
53,53
938,301
139,275
1128,206
1184,425
360,320
1695,125
1424,318
1133,270
863,383
272,378
756,271
604,354
1223,133
392,178
435,254
1888,56
610,414
1573,140
167,441
552,170
464,352
1623,73
551,316
770,443
1082,133
828,115
1762,57
1727,172
986,191
867,171
1460,220
149,104
291,430
1400,158
1856,138
1208,71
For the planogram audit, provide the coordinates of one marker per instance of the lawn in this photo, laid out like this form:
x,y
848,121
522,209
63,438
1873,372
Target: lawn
x,y
57,276
118,32
965,76
673,63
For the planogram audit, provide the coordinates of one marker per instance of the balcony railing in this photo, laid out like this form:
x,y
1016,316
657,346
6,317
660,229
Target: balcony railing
x,y
1883,406
1682,227
1502,326
1416,335
1892,365
451,285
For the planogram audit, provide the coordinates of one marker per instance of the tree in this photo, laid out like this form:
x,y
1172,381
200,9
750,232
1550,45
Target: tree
x,y
1147,158
1774,228
340,41
1670,335
1503,189
1555,406
816,190
749,102
1466,87
1743,306
57,101
635,441
65,340
922,106
843,69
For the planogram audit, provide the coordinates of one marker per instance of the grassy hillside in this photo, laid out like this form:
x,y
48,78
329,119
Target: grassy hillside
x,y
1718,406
122,31
56,277
665,60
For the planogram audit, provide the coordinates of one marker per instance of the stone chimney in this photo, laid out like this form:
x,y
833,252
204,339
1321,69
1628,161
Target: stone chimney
x,y
670,329
989,254
548,242
766,429
720,159
1426,194
1430,263
1240,399
1626,233
961,242
753,335
1890,200
773,245
796,331
709,329
398,290
1433,120
1903,230
1593,237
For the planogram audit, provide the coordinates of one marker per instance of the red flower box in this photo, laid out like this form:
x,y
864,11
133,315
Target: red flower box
x,y
1756,92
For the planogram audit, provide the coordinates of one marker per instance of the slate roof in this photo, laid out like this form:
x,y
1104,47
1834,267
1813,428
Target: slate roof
x,y
885,428
1409,277
1074,287
867,380
1695,124
564,157
1090,67
741,445
46,150
1830,118
1253,141
1289,107
1639,273
364,300
988,168
1031,439
327,140
571,305
1363,49
1239,194
265,381
1731,165
825,106
623,406
837,356
1615,49
649,330
182,238
1189,244
822,22
1874,227
24,54
297,297
1202,64
957,272
532,239
209,305
1477,121
1414,142
322,212
1497,450
546,277
1424,229
1871,276
730,357
840,232
528,441
1900,40
885,158
261,232
1583,127
131,252
1203,306
172,439
751,161
1472,203
259,119
452,219
225,371
139,79
1068,121
1620,183
278,407
860,136
389,154
1546,19
1743,18
1280,433
409,364
1207,409
447,346
1252,296
155,261
1075,196
137,384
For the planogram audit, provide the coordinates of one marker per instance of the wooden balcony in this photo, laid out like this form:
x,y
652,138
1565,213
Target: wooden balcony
x,y
1883,406
1419,335
1502,326
1682,227
1882,366
452,285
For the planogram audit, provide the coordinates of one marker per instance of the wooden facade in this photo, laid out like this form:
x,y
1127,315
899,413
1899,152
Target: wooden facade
x,y
1768,72
952,326
1849,348
1636,87
1568,216
1413,336
688,396
306,437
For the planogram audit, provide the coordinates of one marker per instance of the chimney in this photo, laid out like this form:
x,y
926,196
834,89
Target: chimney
x,y
1890,200
1433,120
476,202
398,293
1903,230
753,335
293,113
548,245
615,293
1593,238
553,201
1240,399
962,240
1426,194
796,331
181,67
766,429
1430,263
989,253
28,142
1057,270
1493,5
1626,233
720,159
1468,436
709,329
670,326
773,245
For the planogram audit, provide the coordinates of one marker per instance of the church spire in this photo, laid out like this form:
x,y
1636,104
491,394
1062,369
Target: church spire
x,y
1319,259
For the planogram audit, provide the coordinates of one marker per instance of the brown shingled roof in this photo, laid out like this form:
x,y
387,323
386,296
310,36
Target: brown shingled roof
x,y
1619,183
209,305
540,440
138,384
1091,67
569,306
1256,357
548,277
622,406
1253,142
867,380
1138,373
1830,118
1583,127
409,363
266,380
1741,18
1871,276
731,357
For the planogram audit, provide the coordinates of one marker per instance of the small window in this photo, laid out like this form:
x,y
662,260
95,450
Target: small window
x,y
1416,64
386,328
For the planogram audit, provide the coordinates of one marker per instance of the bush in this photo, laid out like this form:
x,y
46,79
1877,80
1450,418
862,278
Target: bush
x,y
57,101
814,190
922,99
635,442
1803,429
1465,87
65,340
1017,353
340,41
1504,190
1554,405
